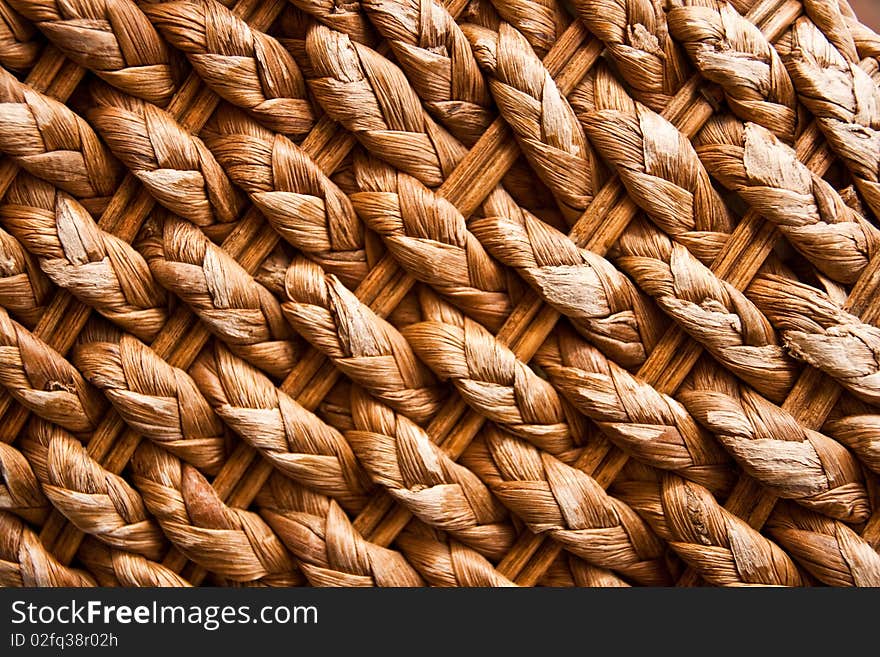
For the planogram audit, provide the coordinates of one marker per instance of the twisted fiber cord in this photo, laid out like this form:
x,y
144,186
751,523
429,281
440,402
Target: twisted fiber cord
x,y
158,401
656,163
652,426
116,568
829,550
725,550
25,562
293,439
102,271
174,165
329,550
637,40
20,45
111,38
543,122
20,492
234,543
840,94
732,52
97,502
432,241
41,380
444,562
45,138
767,174
711,310
221,292
366,348
24,289
793,462
818,331
300,202
242,65
568,505
401,458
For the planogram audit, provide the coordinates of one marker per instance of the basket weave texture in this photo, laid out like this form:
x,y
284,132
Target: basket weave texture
x,y
439,293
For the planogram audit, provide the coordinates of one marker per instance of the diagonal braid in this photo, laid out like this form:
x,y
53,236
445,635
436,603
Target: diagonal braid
x,y
303,205
47,139
828,549
723,548
401,458
112,38
25,562
732,52
361,344
345,16
226,298
24,288
491,379
20,491
654,427
712,311
767,174
372,98
97,502
41,380
569,505
158,401
329,550
657,164
541,22
293,439
431,240
637,39
234,543
817,330
445,562
101,270
840,94
601,302
543,122
175,166
117,568
19,44
860,431
792,462
434,52
244,66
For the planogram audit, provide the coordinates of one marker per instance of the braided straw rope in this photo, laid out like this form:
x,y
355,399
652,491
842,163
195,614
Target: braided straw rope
x,y
389,367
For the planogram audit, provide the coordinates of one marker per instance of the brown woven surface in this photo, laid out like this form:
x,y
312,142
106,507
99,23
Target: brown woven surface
x,y
439,293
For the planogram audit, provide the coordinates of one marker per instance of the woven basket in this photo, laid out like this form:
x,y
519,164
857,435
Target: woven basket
x,y
410,293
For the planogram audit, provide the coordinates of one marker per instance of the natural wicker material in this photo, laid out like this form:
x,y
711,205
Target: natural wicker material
x,y
423,293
